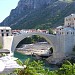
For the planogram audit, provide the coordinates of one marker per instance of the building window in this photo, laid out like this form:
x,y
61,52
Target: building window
x,y
1,30
66,20
7,34
68,23
7,30
69,19
67,32
62,32
2,34
71,32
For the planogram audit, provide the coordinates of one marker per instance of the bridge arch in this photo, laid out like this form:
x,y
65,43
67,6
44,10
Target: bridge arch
x,y
17,39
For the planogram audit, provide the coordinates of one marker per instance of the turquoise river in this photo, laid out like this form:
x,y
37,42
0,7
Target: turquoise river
x,y
24,57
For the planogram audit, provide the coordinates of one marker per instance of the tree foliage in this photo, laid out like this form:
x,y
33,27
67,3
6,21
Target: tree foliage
x,y
37,68
0,46
32,68
50,31
74,48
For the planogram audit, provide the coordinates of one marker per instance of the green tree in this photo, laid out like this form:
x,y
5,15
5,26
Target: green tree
x,y
36,38
50,31
74,48
37,68
66,69
0,46
33,68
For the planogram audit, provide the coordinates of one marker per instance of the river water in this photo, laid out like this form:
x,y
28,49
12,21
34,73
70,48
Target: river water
x,y
24,57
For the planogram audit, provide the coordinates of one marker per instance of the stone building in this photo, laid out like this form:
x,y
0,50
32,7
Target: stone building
x,y
5,31
66,34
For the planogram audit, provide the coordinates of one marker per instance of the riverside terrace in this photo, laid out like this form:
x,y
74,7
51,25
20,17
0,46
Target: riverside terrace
x,y
8,64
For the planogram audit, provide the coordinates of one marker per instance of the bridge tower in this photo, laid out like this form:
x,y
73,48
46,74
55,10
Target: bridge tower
x,y
6,37
66,34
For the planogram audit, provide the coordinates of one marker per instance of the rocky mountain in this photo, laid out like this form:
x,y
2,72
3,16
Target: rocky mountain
x,y
39,14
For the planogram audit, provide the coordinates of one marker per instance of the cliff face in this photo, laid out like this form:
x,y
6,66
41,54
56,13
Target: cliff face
x,y
38,13
23,8
24,5
34,3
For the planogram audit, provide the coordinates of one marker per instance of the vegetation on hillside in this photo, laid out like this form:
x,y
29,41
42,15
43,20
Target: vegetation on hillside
x,y
44,19
68,0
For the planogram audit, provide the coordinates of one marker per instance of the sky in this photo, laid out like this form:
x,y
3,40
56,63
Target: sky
x,y
5,7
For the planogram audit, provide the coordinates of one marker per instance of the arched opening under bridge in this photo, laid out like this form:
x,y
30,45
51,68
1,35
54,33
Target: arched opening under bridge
x,y
35,45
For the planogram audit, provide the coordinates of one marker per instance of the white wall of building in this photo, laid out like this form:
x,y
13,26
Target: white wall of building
x,y
70,21
5,31
7,42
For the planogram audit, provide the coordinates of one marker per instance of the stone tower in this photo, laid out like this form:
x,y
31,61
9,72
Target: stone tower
x,y
66,34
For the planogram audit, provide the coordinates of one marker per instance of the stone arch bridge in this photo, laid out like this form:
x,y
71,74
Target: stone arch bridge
x,y
10,43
